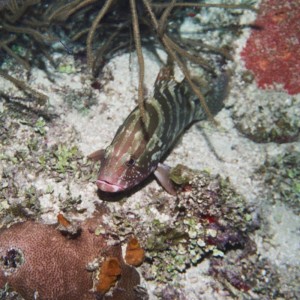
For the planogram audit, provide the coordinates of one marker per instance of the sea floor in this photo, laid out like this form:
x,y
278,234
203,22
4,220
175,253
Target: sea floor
x,y
249,146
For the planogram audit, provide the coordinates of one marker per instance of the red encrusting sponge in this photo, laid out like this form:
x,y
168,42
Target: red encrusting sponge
x,y
272,51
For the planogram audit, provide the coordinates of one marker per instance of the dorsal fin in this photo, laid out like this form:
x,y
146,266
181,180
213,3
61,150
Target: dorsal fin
x,y
164,76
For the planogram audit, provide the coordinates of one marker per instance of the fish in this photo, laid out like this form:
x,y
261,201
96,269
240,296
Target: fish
x,y
140,145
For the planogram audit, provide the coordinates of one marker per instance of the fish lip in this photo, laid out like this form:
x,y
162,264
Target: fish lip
x,y
106,186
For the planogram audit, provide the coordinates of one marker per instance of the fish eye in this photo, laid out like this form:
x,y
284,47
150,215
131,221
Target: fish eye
x,y
130,162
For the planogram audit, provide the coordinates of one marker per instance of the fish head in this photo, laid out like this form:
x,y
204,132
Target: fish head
x,y
120,171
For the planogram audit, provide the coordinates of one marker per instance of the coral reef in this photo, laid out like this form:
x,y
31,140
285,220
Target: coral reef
x,y
170,292
208,218
32,255
67,228
272,52
269,106
203,243
208,221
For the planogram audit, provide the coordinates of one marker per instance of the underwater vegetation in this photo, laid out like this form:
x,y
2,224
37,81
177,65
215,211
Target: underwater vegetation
x,y
23,42
101,29
272,52
27,158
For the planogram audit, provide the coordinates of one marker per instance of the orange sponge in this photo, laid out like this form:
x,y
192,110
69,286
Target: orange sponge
x,y
62,220
109,273
135,255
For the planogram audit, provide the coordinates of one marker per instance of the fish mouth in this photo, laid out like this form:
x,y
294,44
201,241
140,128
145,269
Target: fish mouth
x,y
106,186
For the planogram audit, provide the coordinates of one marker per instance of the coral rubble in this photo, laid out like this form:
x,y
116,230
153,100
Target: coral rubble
x,y
264,120
282,177
208,218
208,221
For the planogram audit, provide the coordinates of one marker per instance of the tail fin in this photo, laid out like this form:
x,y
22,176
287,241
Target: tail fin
x,y
214,94
218,92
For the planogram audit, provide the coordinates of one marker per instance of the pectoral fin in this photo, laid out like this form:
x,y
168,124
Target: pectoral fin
x,y
97,155
162,175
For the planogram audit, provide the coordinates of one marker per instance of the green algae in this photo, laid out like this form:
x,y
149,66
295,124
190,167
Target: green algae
x,y
40,126
32,167
65,155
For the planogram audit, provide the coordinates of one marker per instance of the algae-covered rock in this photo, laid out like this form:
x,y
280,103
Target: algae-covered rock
x,y
209,217
281,174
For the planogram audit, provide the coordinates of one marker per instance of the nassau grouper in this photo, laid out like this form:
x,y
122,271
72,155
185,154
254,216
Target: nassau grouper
x,y
138,148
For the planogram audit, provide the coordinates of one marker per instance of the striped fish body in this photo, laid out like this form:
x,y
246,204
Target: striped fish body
x,y
138,147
